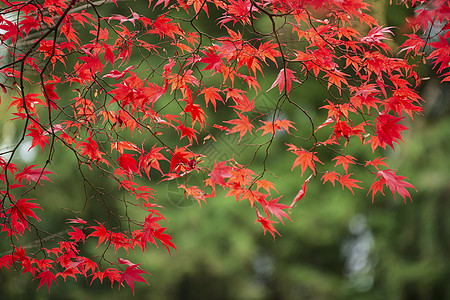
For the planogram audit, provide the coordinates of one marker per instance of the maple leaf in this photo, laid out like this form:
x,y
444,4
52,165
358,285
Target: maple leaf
x,y
275,208
93,63
337,78
164,238
327,122
33,173
124,145
77,234
414,43
242,125
330,176
38,138
51,95
376,162
266,223
388,130
376,34
348,182
267,50
344,161
197,113
128,163
284,78
46,278
151,160
272,127
132,274
180,159
6,261
393,181
111,273
189,132
90,149
10,30
76,221
265,184
219,172
28,23
22,210
305,159
213,60
100,232
301,193
163,27
211,94
195,192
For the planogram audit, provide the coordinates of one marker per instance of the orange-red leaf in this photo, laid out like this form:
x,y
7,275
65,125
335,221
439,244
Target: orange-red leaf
x,y
284,78
344,161
330,176
242,125
305,159
349,183
273,127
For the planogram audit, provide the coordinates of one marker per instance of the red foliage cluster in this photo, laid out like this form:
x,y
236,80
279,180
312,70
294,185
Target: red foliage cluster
x,y
371,88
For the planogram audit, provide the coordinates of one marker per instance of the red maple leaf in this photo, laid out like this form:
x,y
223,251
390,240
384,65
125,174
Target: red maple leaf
x,y
211,94
10,30
330,176
301,193
132,274
77,234
265,184
46,278
273,127
111,273
39,138
304,158
414,44
348,182
393,181
344,161
219,172
284,78
151,160
213,60
180,159
188,132
376,162
22,210
33,173
195,192
242,125
128,163
388,130
101,232
266,223
275,208
93,63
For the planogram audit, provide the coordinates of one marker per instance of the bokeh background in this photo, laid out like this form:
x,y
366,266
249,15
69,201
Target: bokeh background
x,y
339,245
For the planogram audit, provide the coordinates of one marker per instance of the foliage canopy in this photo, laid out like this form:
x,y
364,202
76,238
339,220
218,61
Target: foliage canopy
x,y
135,96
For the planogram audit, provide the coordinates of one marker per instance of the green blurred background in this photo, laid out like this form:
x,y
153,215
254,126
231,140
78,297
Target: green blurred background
x,y
339,246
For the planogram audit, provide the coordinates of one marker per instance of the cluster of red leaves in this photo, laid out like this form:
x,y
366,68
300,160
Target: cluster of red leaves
x,y
370,87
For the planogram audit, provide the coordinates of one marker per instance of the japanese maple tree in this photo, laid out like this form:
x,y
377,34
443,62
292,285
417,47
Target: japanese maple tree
x,y
115,89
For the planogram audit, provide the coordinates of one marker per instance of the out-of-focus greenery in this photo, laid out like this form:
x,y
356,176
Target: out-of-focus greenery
x,y
339,246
